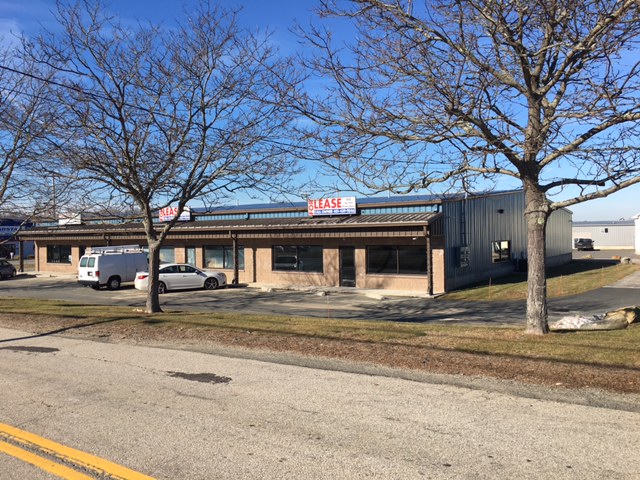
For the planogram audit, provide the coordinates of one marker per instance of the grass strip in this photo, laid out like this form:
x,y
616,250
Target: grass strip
x,y
606,348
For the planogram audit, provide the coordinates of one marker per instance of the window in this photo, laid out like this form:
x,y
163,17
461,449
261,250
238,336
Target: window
x,y
604,230
88,262
167,255
397,260
298,258
58,253
501,251
169,269
222,257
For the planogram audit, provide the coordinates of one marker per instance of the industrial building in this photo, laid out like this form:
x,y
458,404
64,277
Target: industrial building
x,y
607,235
420,243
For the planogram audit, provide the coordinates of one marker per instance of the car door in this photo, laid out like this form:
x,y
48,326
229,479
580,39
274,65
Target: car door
x,y
190,277
170,276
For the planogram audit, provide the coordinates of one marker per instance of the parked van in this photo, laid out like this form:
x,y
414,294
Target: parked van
x,y
111,266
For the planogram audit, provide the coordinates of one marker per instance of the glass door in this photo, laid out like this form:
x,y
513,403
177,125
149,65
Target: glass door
x,y
347,266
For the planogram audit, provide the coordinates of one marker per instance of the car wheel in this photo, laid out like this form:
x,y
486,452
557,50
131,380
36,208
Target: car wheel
x,y
162,288
210,284
113,283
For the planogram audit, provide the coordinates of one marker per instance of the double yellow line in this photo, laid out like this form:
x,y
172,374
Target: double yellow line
x,y
43,453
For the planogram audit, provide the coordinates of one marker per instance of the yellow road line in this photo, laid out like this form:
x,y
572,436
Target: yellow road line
x,y
42,463
72,455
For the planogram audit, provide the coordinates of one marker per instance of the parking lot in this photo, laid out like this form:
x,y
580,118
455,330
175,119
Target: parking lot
x,y
341,303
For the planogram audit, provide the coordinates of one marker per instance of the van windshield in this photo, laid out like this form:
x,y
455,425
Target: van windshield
x,y
91,262
83,262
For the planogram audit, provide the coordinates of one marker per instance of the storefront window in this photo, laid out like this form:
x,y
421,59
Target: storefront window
x,y
397,260
222,257
58,253
167,255
299,258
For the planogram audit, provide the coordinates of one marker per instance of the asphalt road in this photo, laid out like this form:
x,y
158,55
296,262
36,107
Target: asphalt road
x,y
178,414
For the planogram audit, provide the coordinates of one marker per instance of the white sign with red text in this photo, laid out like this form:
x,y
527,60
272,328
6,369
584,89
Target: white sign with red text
x,y
167,214
332,206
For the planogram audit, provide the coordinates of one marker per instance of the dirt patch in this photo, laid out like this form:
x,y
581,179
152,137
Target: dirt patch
x,y
415,357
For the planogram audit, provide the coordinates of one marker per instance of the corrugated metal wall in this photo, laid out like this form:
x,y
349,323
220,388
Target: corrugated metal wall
x,y
477,222
607,235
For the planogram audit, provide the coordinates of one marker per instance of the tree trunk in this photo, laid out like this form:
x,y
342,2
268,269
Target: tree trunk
x,y
536,215
153,299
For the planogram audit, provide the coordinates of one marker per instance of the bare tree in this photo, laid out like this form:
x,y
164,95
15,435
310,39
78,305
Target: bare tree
x,y
29,144
163,116
462,92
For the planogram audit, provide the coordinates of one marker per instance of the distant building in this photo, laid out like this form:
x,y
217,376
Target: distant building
x,y
418,243
637,233
9,243
607,235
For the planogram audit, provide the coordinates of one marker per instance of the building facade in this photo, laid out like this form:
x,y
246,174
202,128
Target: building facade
x,y
607,235
10,245
420,243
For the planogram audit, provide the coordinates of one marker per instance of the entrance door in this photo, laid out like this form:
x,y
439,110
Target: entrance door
x,y
347,266
191,256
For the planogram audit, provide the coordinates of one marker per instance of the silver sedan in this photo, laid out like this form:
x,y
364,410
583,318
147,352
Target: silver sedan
x,y
180,276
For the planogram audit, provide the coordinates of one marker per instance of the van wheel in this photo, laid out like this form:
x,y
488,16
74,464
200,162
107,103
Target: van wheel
x,y
162,288
95,287
210,284
113,283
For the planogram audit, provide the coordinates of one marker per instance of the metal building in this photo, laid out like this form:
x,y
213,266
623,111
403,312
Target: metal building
x,y
611,235
419,243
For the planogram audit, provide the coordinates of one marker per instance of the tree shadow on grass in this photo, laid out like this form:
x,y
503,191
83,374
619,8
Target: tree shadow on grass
x,y
63,329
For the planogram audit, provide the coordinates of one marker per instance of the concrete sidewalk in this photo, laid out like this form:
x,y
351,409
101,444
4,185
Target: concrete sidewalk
x,y
632,281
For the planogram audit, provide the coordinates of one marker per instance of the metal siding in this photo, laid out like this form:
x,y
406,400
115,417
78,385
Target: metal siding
x,y
559,242
619,236
484,224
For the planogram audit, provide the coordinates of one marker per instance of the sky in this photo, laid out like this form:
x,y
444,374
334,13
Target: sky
x,y
25,16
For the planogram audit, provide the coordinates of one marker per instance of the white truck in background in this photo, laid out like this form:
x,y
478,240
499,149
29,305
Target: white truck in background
x,y
111,266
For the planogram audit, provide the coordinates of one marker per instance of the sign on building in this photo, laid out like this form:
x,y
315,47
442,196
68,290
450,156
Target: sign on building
x,y
167,214
332,206
8,231
72,219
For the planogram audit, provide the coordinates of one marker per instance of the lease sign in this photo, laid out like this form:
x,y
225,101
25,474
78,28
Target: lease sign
x,y
332,206
166,214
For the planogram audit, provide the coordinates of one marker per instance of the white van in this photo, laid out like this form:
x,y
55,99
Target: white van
x,y
111,266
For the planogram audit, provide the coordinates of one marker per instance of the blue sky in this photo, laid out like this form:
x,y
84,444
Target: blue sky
x,y
278,15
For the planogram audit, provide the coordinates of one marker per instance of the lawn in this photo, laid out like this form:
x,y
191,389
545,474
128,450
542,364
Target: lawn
x,y
613,348
570,279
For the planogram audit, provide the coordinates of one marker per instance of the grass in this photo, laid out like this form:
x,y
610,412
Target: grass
x,y
614,348
570,279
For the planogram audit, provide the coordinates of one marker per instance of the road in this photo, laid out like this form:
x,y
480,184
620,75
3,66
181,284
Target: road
x,y
177,414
